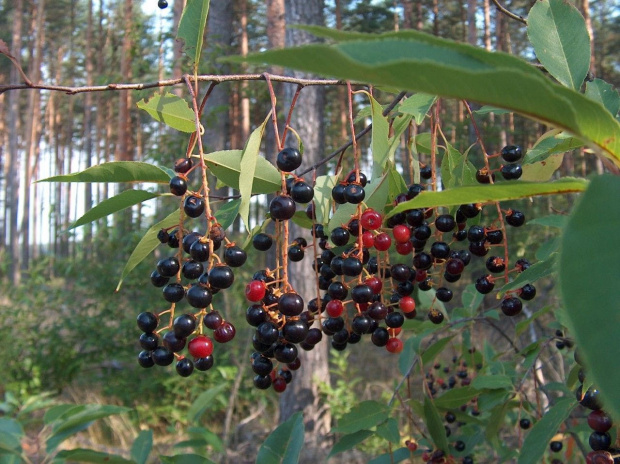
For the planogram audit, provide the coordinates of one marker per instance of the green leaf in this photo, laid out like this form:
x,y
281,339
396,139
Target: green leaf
x,y
226,166
284,444
491,432
604,93
551,143
456,397
456,170
399,455
170,109
365,415
396,184
302,220
557,221
524,324
203,403
417,61
531,274
388,430
142,446
192,28
349,441
247,167
558,33
116,171
432,351
589,263
542,171
116,203
147,244
11,433
471,299
435,426
537,440
492,382
185,459
379,138
323,197
88,455
489,193
486,109
227,213
417,105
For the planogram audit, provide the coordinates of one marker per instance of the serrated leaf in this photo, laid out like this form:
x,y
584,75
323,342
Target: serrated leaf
x,y
456,397
226,166
365,415
398,455
203,403
432,351
247,167
114,204
323,197
589,262
435,426
170,109
284,444
492,382
116,172
192,28
417,105
185,459
561,41
538,438
490,193
604,93
88,455
531,274
142,446
349,441
227,212
147,244
388,430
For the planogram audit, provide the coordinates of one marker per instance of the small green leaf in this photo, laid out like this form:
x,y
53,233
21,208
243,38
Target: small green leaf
x,y
349,441
486,109
558,33
227,213
524,324
456,397
323,197
471,299
226,166
142,446
542,171
116,203
489,193
538,438
604,93
417,105
88,455
398,455
170,109
204,401
365,415
492,382
192,28
388,430
379,138
146,245
557,221
532,274
552,142
247,167
589,263
116,171
456,170
491,432
396,184
435,426
379,189
302,220
432,351
284,444
185,459
11,433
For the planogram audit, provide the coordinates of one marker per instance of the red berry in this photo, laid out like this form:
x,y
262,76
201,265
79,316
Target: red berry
x,y
407,304
200,346
371,220
599,457
420,275
599,421
394,345
404,248
255,290
383,242
401,233
334,308
279,384
224,333
412,445
368,239
375,284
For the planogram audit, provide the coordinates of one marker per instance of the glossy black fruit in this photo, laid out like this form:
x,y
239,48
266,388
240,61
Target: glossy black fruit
x,y
235,256
282,208
511,153
301,192
262,242
221,277
147,321
288,159
194,206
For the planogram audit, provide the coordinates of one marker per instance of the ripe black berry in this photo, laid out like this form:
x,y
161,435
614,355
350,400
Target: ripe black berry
x,y
199,296
262,382
483,176
511,171
435,316
340,236
192,269
183,165
444,294
380,336
178,186
515,218
469,210
528,292
445,223
555,446
184,325
145,359
288,159
599,441
282,208
495,264
295,331
174,292
267,333
194,206
440,250
351,267
162,356
262,365
394,320
221,277
354,194
149,341
484,284
168,267
338,193
285,352
162,4
525,423
511,153
173,343
147,321
158,280
426,172
185,367
363,178
494,236
361,293
204,364
234,256
291,304
511,306
302,192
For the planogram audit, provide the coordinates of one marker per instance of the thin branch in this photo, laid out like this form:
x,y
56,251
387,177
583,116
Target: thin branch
x,y
169,82
510,14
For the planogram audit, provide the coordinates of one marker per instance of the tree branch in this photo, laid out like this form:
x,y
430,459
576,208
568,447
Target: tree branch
x,y
508,13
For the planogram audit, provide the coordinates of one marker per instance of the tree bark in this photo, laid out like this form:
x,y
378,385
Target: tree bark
x,y
302,394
